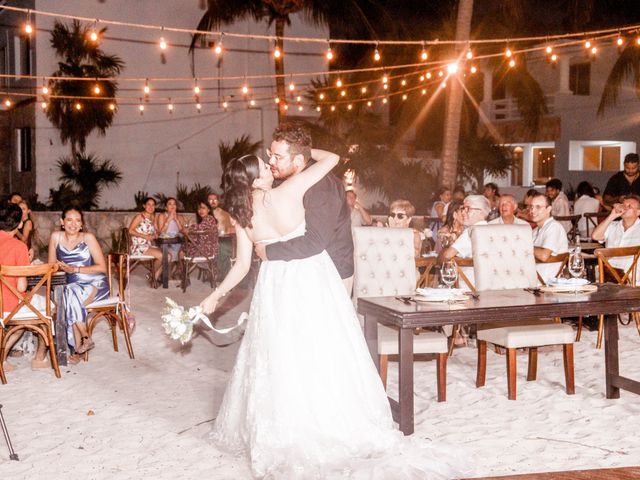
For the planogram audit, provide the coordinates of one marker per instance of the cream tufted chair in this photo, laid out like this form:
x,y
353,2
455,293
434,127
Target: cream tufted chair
x,y
503,258
385,266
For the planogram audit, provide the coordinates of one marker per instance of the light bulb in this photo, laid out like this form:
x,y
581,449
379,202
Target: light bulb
x,y
292,87
225,104
277,53
384,100
298,99
141,108
385,79
44,105
554,57
422,78
385,86
452,68
428,75
329,54
170,107
441,73
318,109
93,36
363,89
508,52
343,93
277,99
423,91
549,49
587,44
443,85
638,41
619,41
403,82
349,107
96,89
512,63
28,28
322,96
333,108
252,103
339,83
146,89
594,50
7,102
404,97
196,89
78,106
474,69
424,55
163,44
469,54
286,107
218,48
45,90
245,89
299,108
369,103
112,106
376,55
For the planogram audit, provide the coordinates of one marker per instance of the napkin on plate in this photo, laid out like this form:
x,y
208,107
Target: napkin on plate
x,y
569,281
439,292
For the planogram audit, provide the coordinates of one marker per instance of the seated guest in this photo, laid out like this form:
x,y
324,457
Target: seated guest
x,y
560,203
359,216
549,237
623,233
170,224
475,210
626,182
143,231
14,198
459,194
225,225
439,208
453,226
507,208
585,203
25,234
401,213
492,193
79,254
14,253
207,243
525,212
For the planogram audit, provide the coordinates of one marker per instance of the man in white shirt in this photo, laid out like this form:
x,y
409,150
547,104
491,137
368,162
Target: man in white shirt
x,y
560,206
549,238
475,210
625,233
507,207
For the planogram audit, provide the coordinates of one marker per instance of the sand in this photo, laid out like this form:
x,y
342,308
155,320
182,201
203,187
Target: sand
x,y
116,418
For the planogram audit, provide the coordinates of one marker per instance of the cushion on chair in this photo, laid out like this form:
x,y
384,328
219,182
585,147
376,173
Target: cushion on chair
x,y
199,259
107,302
26,314
503,257
529,335
384,262
426,342
141,257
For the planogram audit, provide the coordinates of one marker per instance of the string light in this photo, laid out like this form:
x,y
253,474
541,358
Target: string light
x,y
554,58
469,54
277,99
376,55
96,89
339,83
218,48
363,89
112,106
343,93
28,28
146,88
428,75
93,36
322,96
7,103
385,79
298,98
385,86
384,100
474,69
45,90
170,106
78,106
333,108
196,88
163,44
141,109
587,44
252,102
422,78
512,63
292,86
508,53
276,52
443,85
286,107
424,55
300,108
318,109
638,40
349,107
225,104
44,105
404,97
441,73
619,41
403,82
594,50
245,89
329,54
549,49
423,91
369,103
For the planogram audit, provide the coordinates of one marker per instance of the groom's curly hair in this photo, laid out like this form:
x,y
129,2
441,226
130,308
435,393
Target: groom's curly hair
x,y
238,178
297,136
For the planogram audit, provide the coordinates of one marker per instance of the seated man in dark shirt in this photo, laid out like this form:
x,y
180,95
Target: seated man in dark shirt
x,y
327,214
624,183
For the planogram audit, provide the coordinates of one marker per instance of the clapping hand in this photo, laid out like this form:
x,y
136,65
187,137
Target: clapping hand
x,y
66,268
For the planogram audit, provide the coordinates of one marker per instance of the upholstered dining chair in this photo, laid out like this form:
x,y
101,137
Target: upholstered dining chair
x,y
385,266
113,309
622,276
503,258
29,314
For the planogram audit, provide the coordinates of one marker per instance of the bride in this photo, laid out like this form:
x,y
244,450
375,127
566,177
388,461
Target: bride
x,y
304,399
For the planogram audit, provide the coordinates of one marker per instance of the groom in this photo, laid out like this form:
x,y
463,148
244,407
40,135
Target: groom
x,y
327,214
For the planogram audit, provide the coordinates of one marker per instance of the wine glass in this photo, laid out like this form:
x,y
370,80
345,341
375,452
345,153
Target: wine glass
x,y
449,273
576,265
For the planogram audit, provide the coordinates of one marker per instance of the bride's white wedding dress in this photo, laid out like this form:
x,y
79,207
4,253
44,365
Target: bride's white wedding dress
x,y
304,399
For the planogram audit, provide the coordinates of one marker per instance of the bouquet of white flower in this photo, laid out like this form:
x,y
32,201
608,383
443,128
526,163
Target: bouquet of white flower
x,y
178,322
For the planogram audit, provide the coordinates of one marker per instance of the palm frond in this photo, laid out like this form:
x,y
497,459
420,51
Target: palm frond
x,y
627,67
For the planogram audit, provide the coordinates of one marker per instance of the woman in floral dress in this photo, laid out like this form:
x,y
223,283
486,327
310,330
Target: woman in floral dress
x,y
143,231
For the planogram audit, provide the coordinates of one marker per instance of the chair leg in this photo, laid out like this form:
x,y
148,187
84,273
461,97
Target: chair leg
x,y
52,352
125,332
113,324
579,332
567,357
600,331
456,329
533,364
211,274
442,377
384,365
3,378
636,317
482,363
511,373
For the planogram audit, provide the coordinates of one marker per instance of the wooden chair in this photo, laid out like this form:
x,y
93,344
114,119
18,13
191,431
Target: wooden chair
x,y
198,258
608,272
573,231
593,219
146,261
385,265
503,258
114,308
26,316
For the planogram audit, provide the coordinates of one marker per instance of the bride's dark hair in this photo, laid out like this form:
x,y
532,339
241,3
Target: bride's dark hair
x,y
238,178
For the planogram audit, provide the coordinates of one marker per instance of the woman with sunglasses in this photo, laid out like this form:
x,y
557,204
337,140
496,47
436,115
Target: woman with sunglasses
x,y
401,213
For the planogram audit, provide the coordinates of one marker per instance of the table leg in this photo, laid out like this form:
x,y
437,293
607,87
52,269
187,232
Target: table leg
x,y
60,338
371,336
405,347
165,265
612,366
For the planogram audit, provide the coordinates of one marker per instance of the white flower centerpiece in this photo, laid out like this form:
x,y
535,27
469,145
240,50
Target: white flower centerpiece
x,y
178,322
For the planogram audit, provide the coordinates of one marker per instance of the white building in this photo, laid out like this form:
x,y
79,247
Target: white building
x,y
574,144
155,150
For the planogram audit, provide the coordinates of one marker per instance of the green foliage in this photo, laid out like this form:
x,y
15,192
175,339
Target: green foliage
x,y
189,197
479,156
139,198
83,177
80,57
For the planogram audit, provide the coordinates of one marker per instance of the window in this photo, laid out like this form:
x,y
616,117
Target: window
x,y
23,149
580,78
3,67
601,158
22,54
517,155
544,160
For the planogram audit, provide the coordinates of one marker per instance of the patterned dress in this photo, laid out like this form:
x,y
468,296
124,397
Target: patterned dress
x,y
140,245
205,244
80,286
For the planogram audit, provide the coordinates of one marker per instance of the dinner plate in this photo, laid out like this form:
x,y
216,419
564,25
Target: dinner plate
x,y
440,298
588,288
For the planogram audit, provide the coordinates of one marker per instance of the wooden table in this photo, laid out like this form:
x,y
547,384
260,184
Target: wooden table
x,y
58,281
164,243
505,306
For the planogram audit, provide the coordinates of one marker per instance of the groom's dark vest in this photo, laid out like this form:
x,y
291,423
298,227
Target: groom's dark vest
x,y
328,221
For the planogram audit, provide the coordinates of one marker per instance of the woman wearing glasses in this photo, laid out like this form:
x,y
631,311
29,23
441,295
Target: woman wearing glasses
x,y
401,213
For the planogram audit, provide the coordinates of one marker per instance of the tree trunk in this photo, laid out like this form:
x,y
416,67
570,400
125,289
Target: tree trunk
x,y
454,101
279,64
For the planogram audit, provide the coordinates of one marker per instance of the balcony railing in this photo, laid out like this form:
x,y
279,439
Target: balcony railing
x,y
507,108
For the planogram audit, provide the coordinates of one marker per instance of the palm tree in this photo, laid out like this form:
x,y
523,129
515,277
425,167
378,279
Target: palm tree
x,y
83,179
626,68
80,57
277,12
241,146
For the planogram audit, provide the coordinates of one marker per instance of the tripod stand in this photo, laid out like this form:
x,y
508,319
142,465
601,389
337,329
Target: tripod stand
x,y
12,455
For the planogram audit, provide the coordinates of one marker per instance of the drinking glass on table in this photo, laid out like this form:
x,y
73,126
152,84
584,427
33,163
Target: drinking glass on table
x,y
576,264
449,273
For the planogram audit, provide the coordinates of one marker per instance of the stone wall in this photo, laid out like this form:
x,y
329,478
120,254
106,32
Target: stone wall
x,y
106,226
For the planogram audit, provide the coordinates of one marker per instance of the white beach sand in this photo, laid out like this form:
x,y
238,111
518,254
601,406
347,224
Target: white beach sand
x,y
151,415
